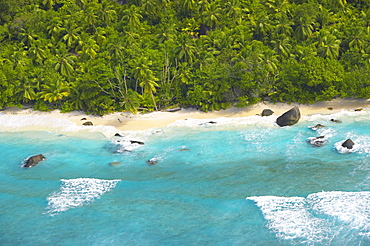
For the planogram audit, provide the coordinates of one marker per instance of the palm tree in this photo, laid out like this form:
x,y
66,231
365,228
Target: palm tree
x,y
185,51
55,90
283,47
357,41
87,47
48,4
144,75
28,37
107,12
132,17
212,16
37,51
304,28
55,28
64,64
25,91
328,45
71,33
284,26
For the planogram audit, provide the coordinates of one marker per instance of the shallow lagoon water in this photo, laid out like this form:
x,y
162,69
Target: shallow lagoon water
x,y
242,181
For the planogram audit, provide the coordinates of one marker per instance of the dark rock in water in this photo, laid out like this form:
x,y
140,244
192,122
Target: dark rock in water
x,y
87,123
34,160
267,112
317,141
152,161
83,119
335,121
118,135
317,127
348,144
183,149
137,142
289,118
115,163
212,122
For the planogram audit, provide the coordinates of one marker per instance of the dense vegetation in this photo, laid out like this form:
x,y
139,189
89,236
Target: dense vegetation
x,y
103,55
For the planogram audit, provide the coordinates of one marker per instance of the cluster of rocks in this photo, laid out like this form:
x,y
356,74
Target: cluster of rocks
x,y
288,118
292,117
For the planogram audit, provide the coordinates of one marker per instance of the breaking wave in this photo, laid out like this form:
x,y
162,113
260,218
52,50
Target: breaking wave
x,y
320,218
77,192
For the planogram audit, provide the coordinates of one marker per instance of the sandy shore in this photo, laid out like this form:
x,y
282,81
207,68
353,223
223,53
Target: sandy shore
x,y
125,121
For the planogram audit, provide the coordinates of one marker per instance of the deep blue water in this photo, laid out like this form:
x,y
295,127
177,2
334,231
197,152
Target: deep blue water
x,y
238,182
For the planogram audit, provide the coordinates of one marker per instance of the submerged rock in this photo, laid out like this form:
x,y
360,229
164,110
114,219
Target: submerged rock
x,y
335,121
348,144
289,118
317,141
317,126
152,161
115,163
136,142
34,160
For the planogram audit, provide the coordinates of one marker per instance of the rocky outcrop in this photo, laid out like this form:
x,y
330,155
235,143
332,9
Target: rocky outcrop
x,y
267,112
348,144
289,118
34,160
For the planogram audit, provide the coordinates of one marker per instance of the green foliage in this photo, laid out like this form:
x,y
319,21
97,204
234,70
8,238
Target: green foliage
x,y
101,56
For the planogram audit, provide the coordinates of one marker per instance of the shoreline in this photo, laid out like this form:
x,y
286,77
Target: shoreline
x,y
126,121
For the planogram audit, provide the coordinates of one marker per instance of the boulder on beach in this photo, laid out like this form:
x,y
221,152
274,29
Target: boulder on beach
x,y
290,117
348,144
267,112
87,123
34,160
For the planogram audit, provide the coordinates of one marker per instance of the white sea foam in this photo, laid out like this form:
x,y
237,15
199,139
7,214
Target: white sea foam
x,y
48,123
341,115
77,192
319,218
223,121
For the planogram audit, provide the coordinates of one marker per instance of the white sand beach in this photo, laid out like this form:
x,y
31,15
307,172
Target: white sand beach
x,y
126,121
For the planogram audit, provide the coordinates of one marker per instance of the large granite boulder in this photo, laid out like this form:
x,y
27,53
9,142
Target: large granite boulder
x,y
33,160
289,118
348,144
267,112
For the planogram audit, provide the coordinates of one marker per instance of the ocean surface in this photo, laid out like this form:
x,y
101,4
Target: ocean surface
x,y
240,181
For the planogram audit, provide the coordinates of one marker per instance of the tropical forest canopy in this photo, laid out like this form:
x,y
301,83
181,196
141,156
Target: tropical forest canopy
x,y
102,56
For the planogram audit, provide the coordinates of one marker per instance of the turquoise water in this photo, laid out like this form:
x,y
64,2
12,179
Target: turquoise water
x,y
242,181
